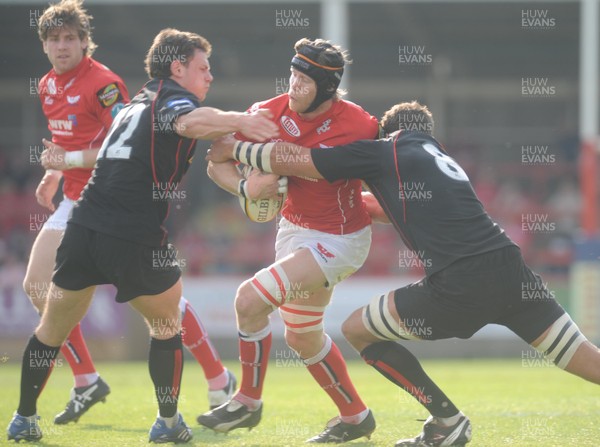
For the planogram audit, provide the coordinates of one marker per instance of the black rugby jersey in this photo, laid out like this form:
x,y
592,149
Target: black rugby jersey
x,y
139,166
423,191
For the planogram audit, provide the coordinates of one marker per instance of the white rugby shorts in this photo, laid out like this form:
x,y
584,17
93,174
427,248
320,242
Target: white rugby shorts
x,y
58,219
338,255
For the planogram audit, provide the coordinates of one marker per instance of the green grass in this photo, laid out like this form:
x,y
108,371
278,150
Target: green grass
x,y
509,405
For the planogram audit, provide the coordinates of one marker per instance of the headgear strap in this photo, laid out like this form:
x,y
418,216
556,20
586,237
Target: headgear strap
x,y
327,78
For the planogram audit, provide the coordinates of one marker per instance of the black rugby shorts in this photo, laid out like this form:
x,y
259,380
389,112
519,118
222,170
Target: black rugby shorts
x,y
495,287
87,258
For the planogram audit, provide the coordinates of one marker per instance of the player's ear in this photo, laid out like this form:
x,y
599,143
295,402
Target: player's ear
x,y
176,67
84,43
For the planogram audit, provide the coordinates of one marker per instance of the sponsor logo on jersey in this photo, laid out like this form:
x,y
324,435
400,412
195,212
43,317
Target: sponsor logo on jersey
x,y
64,124
73,99
70,83
109,95
178,104
324,127
290,126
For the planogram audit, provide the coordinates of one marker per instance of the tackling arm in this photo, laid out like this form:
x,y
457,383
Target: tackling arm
x,y
208,123
279,158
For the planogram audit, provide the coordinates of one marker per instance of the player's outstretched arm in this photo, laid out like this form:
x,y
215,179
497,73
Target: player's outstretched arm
x,y
279,158
208,123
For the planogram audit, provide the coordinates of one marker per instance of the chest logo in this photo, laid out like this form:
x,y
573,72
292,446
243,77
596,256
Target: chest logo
x,y
324,127
290,126
73,99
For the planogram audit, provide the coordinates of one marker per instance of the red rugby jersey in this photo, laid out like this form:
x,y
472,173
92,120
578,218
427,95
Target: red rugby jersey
x,y
337,207
80,106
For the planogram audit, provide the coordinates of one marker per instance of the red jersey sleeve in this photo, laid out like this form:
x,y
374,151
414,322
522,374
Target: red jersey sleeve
x,y
109,99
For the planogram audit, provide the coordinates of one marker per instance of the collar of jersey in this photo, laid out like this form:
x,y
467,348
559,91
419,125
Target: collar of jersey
x,y
65,77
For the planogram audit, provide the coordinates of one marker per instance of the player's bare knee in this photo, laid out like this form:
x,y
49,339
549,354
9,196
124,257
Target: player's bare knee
x,y
245,301
36,291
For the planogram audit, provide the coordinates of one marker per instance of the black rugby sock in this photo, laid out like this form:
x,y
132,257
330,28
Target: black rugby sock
x,y
166,366
37,363
397,364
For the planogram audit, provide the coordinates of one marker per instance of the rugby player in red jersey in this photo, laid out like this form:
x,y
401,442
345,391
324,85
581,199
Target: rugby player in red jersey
x,y
80,97
324,236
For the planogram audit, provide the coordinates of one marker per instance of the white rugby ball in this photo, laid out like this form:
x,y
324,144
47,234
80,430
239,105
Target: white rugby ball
x,y
261,210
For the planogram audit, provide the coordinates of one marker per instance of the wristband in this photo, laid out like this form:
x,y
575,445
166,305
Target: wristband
x,y
257,155
283,185
243,188
74,159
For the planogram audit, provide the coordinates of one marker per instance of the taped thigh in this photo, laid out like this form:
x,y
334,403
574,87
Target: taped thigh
x,y
379,321
301,319
272,285
562,341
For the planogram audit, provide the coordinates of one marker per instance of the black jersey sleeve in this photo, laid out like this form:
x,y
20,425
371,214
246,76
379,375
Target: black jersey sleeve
x,y
360,159
173,106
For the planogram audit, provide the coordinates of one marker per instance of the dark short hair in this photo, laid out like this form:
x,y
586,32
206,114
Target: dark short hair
x,y
170,45
411,116
67,14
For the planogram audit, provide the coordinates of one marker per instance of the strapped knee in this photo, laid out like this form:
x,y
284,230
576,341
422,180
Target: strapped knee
x,y
562,341
272,285
301,319
379,321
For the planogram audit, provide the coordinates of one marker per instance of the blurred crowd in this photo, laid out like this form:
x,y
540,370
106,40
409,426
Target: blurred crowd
x,y
537,205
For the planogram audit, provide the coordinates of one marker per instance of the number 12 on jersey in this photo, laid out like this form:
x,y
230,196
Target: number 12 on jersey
x,y
125,123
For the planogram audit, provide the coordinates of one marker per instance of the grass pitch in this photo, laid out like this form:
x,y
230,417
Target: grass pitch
x,y
509,402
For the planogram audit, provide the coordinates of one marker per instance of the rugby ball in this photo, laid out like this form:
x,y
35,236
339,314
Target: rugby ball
x,y
261,210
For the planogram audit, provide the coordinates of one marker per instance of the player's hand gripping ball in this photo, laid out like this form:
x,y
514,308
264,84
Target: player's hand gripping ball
x,y
264,210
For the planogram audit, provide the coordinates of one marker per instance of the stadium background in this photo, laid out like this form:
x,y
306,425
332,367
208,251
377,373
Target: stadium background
x,y
501,78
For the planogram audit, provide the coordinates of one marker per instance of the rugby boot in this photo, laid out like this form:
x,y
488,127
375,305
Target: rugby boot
x,y
82,399
231,415
338,431
438,435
